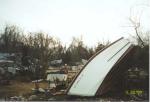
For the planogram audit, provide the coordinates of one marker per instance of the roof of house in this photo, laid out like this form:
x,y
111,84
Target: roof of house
x,y
99,72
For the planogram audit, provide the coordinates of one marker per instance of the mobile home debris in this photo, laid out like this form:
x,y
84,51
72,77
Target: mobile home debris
x,y
56,62
56,75
97,75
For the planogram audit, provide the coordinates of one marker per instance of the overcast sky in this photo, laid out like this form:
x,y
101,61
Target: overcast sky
x,y
95,20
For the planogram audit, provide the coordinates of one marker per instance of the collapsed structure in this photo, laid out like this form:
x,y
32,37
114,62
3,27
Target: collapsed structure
x,y
96,77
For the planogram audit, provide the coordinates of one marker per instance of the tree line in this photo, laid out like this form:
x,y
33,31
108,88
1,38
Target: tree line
x,y
45,48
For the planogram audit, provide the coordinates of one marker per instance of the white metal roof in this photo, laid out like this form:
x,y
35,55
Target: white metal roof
x,y
93,74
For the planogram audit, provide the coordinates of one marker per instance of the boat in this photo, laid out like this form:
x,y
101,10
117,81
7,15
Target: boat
x,y
101,70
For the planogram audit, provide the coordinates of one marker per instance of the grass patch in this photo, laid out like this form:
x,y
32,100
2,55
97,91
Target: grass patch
x,y
19,88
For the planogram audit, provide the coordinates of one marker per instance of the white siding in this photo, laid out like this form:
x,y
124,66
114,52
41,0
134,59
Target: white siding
x,y
61,77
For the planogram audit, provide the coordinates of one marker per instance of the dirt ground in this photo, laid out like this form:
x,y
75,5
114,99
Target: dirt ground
x,y
17,88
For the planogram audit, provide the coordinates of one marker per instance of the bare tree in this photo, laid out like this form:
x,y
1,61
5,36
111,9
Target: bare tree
x,y
136,26
135,21
41,46
11,39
